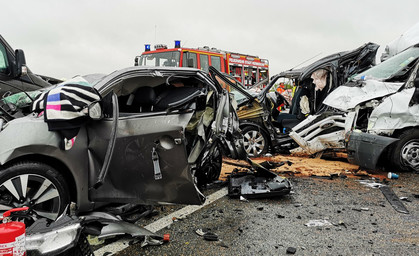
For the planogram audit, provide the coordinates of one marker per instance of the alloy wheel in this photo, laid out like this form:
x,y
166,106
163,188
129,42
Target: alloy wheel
x,y
254,142
34,191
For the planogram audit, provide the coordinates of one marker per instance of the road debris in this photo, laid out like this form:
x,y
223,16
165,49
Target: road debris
x,y
318,223
207,234
257,182
393,199
243,199
291,250
371,183
392,175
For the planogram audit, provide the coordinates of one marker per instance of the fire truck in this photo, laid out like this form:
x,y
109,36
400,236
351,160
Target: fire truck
x,y
247,69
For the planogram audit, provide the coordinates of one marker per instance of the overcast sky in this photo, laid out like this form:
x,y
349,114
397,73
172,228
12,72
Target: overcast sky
x,y
66,38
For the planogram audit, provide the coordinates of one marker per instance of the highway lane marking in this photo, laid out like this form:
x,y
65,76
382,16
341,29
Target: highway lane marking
x,y
161,223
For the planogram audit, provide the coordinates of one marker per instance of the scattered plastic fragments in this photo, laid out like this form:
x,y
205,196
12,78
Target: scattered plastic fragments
x,y
243,199
393,199
151,241
371,183
291,250
222,244
405,198
207,234
166,237
318,223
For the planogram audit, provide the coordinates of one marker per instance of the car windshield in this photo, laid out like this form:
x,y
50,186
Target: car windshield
x,y
161,59
391,66
238,96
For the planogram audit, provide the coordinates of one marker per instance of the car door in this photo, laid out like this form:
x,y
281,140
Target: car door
x,y
226,120
141,158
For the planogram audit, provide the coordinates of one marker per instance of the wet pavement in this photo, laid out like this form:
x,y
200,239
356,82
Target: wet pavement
x,y
358,221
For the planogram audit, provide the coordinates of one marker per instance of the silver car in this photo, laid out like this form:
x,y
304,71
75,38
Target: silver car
x,y
156,134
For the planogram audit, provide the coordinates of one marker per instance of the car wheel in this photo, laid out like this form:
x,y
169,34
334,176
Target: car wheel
x,y
211,166
255,141
35,185
406,151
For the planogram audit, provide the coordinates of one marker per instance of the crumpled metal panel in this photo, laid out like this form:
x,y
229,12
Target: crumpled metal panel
x,y
113,226
311,137
346,98
394,113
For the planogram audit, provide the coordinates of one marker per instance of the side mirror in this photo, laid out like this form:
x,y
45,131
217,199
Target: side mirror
x,y
416,83
136,61
95,111
20,69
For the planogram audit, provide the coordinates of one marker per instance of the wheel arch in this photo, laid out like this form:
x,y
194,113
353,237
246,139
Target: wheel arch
x,y
396,149
53,162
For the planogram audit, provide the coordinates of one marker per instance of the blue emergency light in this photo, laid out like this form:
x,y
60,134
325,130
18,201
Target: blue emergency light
x,y
147,47
177,43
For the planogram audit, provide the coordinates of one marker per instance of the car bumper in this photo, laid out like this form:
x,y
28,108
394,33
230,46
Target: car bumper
x,y
365,149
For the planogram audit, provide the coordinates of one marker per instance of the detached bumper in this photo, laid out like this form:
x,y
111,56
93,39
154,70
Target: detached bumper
x,y
365,149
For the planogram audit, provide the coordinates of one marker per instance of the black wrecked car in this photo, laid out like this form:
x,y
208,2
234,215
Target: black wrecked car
x,y
141,135
264,129
15,76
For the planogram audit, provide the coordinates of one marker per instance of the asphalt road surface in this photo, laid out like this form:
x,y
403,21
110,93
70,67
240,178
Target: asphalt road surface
x,y
357,220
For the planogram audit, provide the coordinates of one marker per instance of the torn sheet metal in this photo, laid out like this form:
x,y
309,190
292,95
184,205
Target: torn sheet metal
x,y
394,113
112,226
46,237
319,132
393,199
258,182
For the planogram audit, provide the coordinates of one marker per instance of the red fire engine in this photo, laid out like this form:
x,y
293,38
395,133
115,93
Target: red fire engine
x,y
245,68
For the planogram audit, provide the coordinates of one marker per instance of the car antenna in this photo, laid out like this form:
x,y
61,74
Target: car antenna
x,y
306,60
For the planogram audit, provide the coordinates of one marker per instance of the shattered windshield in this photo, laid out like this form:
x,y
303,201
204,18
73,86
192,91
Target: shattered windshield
x,y
392,66
161,59
238,96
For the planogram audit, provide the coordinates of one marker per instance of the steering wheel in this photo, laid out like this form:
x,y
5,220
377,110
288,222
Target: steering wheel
x,y
281,99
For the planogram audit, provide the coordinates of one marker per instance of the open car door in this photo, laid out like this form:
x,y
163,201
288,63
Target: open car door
x,y
227,121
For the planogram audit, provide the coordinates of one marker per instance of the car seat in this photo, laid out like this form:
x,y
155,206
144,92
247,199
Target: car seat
x,y
144,100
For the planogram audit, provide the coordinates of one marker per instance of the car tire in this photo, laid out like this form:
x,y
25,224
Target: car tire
x,y
256,142
46,193
405,153
210,169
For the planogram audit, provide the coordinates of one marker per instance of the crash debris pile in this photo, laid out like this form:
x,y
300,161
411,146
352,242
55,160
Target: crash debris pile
x,y
298,166
257,182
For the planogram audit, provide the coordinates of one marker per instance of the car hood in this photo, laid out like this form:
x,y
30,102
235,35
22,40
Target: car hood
x,y
348,96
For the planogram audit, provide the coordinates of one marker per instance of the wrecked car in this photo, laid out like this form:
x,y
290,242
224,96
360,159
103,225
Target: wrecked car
x,y
372,117
264,130
15,76
142,135
384,127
